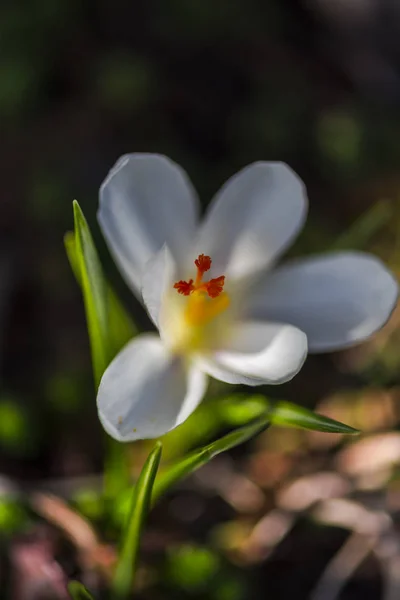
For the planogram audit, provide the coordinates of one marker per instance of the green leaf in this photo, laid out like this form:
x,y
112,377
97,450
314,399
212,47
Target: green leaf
x,y
201,427
78,591
142,493
365,227
287,414
121,327
70,248
193,461
238,409
101,305
89,273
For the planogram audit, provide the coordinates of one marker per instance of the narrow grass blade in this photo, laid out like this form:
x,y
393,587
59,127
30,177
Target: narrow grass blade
x,y
193,461
100,307
94,293
236,410
78,591
241,409
121,327
291,415
142,493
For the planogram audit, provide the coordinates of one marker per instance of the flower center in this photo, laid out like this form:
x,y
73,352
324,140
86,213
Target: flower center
x,y
206,299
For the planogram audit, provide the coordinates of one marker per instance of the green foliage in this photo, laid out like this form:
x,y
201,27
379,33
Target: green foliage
x,y
16,434
229,588
193,461
105,319
200,572
121,327
192,567
141,497
89,503
204,424
94,293
286,414
238,409
13,516
78,591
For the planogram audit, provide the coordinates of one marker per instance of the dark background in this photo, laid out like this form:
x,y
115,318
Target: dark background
x,y
215,86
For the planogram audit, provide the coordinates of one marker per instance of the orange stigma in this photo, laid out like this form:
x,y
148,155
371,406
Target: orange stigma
x,y
184,287
203,263
213,288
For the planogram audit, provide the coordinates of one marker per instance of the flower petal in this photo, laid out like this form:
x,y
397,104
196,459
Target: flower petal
x,y
146,201
252,219
145,392
158,274
258,353
337,300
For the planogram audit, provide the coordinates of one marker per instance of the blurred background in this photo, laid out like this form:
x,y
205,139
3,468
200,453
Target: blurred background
x,y
215,86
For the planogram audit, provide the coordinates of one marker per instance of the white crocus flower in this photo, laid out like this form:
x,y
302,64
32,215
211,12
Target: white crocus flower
x,y
210,291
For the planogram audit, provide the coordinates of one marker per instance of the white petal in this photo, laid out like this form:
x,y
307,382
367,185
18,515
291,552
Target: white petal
x,y
258,353
337,300
146,392
158,274
146,201
252,219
